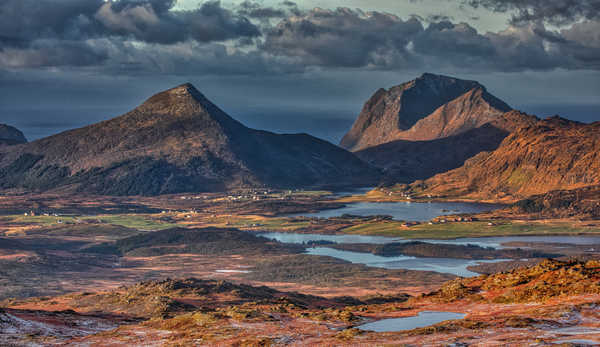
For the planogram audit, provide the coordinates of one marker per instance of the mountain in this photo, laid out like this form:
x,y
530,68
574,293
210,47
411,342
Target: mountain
x,y
178,141
428,108
11,135
407,161
553,154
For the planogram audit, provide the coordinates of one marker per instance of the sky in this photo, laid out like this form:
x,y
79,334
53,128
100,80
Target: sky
x,y
303,66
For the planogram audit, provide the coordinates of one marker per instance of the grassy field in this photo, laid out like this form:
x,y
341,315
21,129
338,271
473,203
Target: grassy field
x,y
134,221
473,229
251,223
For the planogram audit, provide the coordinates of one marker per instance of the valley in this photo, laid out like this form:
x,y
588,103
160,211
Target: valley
x,y
445,217
63,266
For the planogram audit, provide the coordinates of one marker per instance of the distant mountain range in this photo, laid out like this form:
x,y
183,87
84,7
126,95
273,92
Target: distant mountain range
x,y
464,142
10,135
430,125
446,136
178,141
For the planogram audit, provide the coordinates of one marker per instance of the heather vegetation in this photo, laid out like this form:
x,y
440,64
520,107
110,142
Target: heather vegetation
x,y
199,241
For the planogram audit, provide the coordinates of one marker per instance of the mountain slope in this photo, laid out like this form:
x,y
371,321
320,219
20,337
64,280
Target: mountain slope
x,y
11,135
554,154
427,108
407,161
177,141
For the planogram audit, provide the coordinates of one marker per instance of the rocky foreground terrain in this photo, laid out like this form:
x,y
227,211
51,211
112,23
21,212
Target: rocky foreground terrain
x,y
562,305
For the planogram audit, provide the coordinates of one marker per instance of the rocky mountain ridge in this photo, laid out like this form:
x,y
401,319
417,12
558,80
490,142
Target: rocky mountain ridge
x,y
427,108
178,141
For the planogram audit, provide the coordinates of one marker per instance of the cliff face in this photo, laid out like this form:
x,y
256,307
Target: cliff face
x,y
178,141
554,154
427,108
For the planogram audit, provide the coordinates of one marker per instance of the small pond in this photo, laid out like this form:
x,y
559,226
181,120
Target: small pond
x,y
423,319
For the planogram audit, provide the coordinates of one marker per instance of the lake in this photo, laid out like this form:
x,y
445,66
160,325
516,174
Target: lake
x,y
494,242
405,211
457,267
423,319
453,266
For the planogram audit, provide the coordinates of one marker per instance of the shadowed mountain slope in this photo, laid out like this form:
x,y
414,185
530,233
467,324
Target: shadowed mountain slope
x,y
406,161
554,154
178,141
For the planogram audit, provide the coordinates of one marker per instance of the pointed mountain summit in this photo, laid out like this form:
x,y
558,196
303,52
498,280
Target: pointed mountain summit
x,y
10,135
428,108
178,141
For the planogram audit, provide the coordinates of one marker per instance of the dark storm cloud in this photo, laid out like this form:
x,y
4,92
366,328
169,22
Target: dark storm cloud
x,y
135,37
154,21
343,37
255,10
45,33
558,12
49,52
351,38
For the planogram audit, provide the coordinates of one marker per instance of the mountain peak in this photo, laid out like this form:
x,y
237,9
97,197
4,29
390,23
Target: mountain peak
x,y
182,94
178,141
392,114
432,76
186,89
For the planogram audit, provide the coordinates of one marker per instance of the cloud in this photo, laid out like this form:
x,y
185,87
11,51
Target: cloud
x,y
343,38
557,12
255,10
351,38
153,22
156,21
62,33
52,53
153,37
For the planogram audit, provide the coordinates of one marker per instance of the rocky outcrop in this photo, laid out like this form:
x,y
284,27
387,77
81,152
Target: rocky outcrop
x,y
10,135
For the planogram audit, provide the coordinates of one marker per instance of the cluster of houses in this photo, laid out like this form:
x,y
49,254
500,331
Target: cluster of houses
x,y
443,220
198,197
404,195
449,219
261,195
33,214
